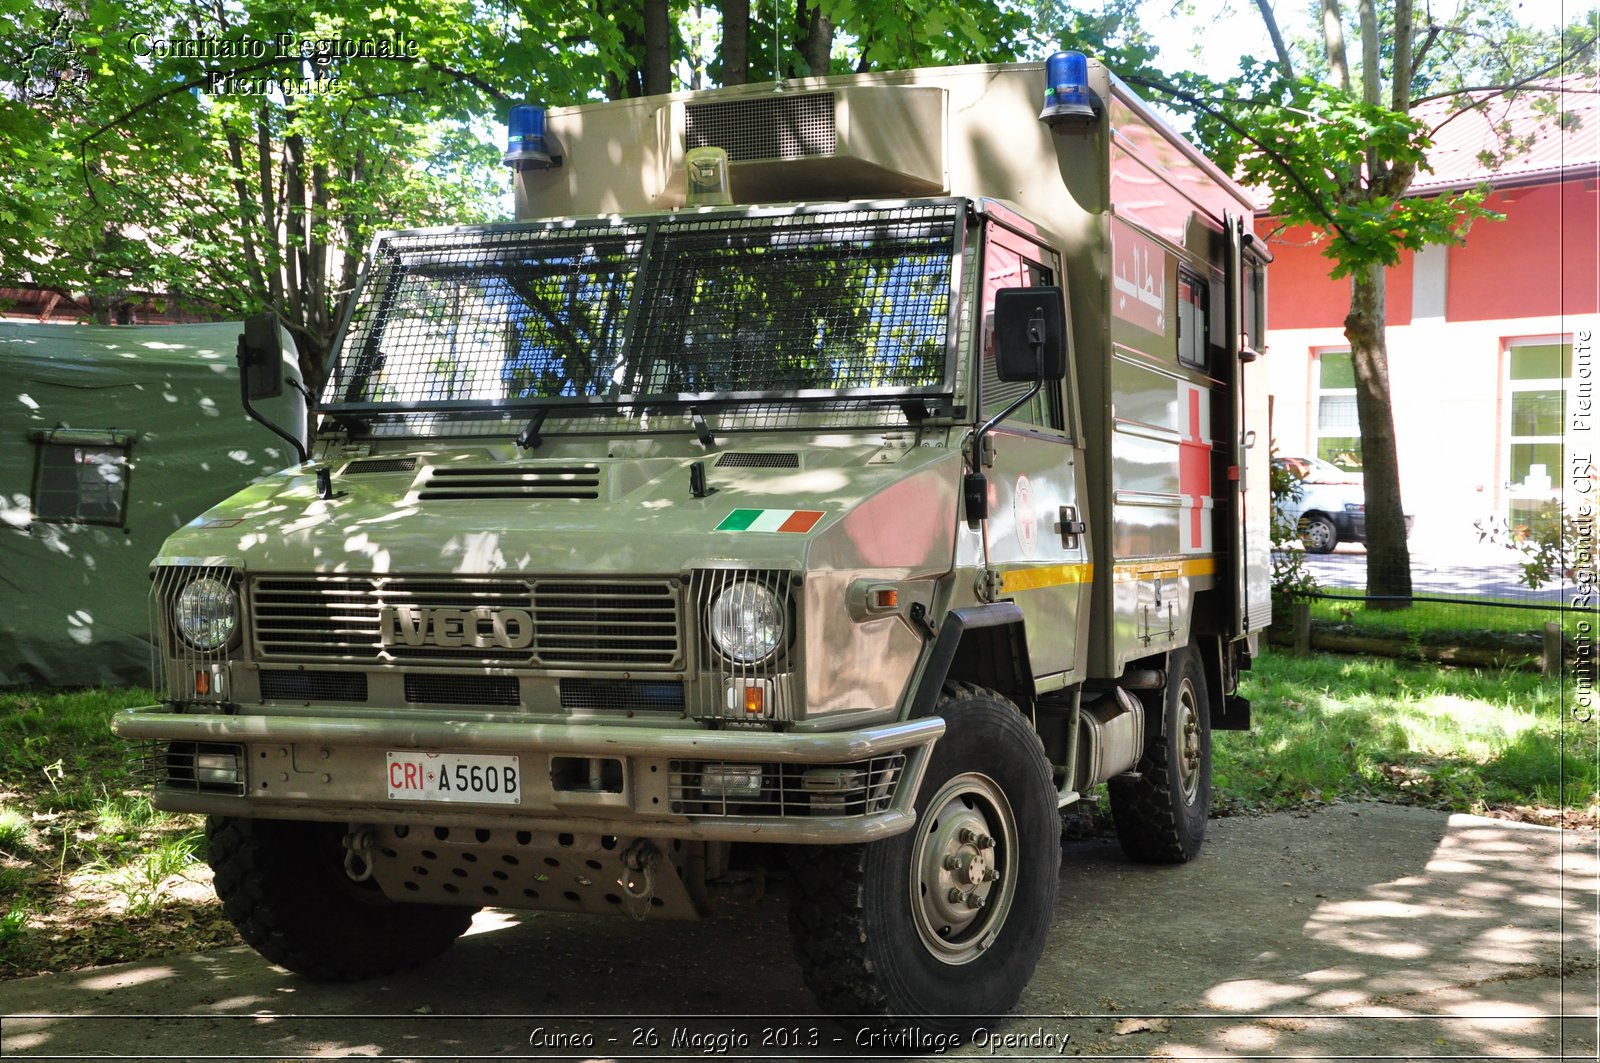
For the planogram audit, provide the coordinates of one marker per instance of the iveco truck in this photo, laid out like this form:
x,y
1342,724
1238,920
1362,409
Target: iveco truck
x,y
835,480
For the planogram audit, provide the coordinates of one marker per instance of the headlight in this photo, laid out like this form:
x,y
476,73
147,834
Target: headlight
x,y
207,613
747,622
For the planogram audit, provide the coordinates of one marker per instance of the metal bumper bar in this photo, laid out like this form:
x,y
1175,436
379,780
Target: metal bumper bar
x,y
352,742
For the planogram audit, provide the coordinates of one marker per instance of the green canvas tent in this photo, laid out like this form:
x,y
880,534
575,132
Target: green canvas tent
x,y
111,438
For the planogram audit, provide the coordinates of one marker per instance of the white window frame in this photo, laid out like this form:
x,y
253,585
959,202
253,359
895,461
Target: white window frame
x,y
1318,393
1516,492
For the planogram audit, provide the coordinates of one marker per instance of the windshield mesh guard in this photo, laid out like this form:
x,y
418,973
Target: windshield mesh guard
x,y
831,303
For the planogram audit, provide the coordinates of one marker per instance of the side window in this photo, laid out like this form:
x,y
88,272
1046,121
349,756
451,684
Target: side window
x,y
1008,266
81,478
1255,306
1193,311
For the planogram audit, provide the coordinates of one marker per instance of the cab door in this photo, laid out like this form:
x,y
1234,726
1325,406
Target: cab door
x,y
1035,537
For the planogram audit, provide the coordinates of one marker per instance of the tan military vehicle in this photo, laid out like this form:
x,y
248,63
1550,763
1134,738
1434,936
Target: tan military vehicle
x,y
854,471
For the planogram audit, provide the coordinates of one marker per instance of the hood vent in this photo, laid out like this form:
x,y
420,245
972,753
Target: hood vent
x,y
366,465
454,483
735,459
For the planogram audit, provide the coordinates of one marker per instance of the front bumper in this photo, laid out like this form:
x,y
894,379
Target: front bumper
x,y
594,779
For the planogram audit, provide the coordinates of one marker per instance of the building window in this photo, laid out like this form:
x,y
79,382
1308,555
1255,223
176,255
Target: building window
x,y
1536,385
81,477
1338,429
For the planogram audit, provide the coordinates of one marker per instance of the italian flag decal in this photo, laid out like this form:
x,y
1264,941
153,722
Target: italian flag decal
x,y
771,520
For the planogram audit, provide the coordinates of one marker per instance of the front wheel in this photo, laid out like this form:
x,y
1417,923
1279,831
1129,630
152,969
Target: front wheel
x,y
283,885
941,926
1161,815
1319,534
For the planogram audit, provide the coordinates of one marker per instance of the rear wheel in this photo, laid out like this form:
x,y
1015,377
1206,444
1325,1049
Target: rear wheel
x,y
283,885
1161,816
941,926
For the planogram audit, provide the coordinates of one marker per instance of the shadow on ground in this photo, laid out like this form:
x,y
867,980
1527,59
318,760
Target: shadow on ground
x,y
1358,930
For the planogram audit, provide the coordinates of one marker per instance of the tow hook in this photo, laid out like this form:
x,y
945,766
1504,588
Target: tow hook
x,y
639,877
358,845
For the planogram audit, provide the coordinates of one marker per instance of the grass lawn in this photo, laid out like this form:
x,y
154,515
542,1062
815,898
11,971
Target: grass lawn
x,y
1465,623
1465,739
91,874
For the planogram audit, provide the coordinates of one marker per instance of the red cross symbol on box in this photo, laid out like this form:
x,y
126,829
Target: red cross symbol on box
x,y
1194,468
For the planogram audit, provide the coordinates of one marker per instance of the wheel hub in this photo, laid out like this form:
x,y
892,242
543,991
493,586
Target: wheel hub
x,y
960,892
1188,742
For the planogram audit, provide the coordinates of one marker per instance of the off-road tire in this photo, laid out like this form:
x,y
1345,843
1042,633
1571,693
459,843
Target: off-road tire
x,y
1319,534
282,884
1161,816
866,947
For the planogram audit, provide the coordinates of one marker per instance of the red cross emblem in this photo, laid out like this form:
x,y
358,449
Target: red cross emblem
x,y
1194,471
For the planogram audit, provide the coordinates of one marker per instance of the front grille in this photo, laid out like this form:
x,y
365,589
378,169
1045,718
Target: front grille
x,y
548,623
280,685
633,695
621,625
764,127
464,483
863,788
463,690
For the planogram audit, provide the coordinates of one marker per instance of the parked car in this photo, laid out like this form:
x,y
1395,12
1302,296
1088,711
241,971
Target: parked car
x,y
1332,506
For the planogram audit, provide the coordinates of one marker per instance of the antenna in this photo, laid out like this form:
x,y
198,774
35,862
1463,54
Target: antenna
x,y
777,55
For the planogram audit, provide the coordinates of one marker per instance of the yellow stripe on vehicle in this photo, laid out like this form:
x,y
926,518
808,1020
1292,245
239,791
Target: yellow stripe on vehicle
x,y
1141,570
1038,577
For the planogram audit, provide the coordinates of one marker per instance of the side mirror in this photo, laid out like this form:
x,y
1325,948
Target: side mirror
x,y
1030,334
261,357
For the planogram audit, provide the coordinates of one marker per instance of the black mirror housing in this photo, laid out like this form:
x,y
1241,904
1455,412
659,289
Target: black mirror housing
x,y
1030,334
261,357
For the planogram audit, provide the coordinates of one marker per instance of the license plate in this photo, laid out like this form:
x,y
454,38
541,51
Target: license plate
x,y
464,777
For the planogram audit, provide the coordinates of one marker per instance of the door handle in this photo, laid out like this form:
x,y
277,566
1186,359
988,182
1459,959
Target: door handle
x,y
1071,527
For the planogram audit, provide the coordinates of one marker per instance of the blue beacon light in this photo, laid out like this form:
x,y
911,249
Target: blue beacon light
x,y
525,143
1067,98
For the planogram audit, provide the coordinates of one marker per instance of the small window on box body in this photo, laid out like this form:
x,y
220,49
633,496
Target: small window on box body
x,y
80,480
1193,310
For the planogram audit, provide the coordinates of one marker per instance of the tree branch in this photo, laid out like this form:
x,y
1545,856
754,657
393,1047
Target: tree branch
x,y
1211,108
1271,21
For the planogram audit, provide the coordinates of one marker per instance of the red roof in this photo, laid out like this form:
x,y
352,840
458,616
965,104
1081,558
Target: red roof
x,y
1568,145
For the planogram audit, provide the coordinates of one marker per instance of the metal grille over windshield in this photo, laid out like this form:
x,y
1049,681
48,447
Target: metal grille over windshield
x,y
832,302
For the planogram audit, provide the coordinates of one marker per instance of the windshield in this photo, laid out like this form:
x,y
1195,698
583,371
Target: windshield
x,y
821,304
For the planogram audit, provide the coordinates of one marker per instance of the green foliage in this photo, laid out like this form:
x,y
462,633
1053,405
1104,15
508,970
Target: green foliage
x,y
1550,545
87,865
1291,577
1313,147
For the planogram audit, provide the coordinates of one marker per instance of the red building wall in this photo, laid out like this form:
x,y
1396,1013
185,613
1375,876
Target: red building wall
x,y
1299,293
1540,260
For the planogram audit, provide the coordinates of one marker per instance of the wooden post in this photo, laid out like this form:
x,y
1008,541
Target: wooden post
x,y
1554,647
1302,628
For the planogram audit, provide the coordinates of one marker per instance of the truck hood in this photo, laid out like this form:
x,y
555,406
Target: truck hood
x,y
470,511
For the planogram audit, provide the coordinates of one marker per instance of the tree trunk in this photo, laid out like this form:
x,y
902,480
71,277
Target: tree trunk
x,y
817,48
735,42
657,48
1388,556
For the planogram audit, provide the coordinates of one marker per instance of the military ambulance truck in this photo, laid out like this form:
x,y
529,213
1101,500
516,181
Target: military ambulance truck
x,y
840,477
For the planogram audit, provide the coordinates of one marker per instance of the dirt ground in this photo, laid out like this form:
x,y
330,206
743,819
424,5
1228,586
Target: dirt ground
x,y
1351,931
